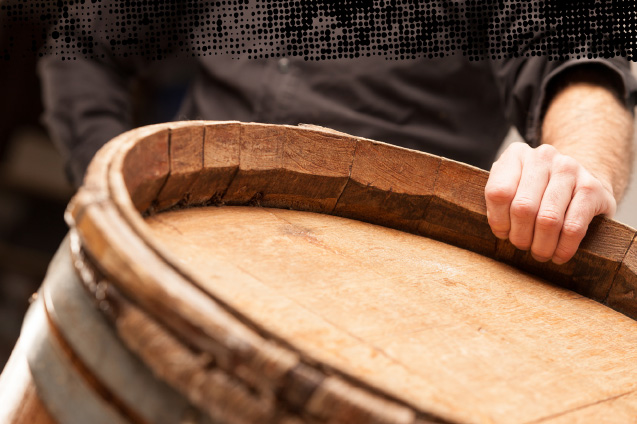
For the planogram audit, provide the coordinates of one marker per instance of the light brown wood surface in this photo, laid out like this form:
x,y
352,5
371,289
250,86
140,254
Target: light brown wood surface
x,y
353,328
427,321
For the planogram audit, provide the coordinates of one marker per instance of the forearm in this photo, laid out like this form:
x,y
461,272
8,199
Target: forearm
x,y
587,121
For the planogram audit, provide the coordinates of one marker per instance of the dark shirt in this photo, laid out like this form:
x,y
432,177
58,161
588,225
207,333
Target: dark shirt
x,y
451,106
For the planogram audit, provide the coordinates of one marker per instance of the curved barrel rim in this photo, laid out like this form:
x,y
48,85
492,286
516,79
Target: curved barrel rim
x,y
305,168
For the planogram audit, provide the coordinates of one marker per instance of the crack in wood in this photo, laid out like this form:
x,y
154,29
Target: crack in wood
x,y
616,272
153,208
162,221
328,370
349,177
579,408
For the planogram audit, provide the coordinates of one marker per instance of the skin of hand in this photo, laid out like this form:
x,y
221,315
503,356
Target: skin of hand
x,y
543,199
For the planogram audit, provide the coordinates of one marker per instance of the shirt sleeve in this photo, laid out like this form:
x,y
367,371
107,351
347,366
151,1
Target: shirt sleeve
x,y
85,104
537,50
86,80
525,87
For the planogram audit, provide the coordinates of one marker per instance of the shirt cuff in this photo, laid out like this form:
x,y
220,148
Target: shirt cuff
x,y
617,71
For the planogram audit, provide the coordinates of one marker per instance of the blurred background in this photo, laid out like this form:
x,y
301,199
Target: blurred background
x,y
33,187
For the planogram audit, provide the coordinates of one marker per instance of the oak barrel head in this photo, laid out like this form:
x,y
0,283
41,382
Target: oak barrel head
x,y
392,304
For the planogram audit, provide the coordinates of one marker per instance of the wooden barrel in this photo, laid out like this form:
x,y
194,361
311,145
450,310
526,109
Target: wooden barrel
x,y
69,366
275,274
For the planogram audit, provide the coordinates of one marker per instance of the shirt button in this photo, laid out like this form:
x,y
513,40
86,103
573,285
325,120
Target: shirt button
x,y
284,65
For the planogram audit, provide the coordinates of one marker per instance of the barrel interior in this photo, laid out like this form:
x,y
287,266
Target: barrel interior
x,y
341,279
428,322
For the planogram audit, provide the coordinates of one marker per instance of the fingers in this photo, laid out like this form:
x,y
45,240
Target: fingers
x,y
590,199
526,203
555,202
501,188
543,201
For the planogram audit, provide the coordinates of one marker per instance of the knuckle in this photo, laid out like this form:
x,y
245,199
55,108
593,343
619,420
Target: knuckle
x,y
574,230
589,187
499,193
565,165
498,223
545,151
523,208
548,220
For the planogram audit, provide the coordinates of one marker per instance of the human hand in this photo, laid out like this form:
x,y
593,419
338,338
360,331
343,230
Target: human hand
x,y
543,201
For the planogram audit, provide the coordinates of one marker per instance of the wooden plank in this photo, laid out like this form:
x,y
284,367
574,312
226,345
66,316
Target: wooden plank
x,y
292,167
220,162
180,306
316,167
91,339
599,257
261,152
458,214
593,268
186,161
145,182
623,293
277,167
388,186
622,407
423,321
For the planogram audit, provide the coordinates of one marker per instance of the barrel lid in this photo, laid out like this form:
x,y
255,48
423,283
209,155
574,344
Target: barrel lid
x,y
170,169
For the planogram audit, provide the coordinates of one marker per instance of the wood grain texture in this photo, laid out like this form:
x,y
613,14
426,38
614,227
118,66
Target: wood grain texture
x,y
594,267
622,295
457,213
388,186
321,170
296,168
243,394
261,152
622,407
118,375
186,150
599,257
419,319
228,398
209,388
220,163
145,182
